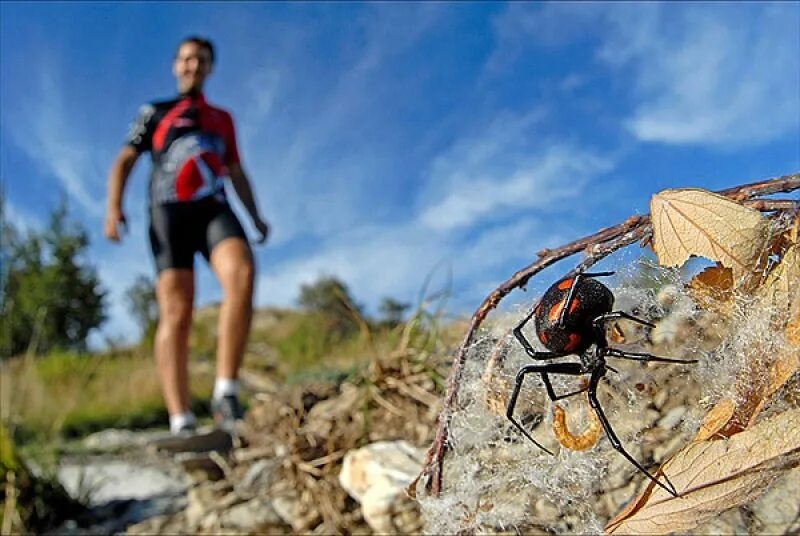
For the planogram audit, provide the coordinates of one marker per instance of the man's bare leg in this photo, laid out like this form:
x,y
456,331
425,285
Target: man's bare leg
x,y
175,295
232,263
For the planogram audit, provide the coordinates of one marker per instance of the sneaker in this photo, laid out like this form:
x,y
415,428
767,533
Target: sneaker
x,y
189,439
187,430
227,412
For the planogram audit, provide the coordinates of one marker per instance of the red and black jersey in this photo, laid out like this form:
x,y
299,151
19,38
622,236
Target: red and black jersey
x,y
191,144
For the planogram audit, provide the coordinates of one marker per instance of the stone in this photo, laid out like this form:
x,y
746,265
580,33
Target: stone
x,y
110,439
101,481
777,510
672,418
660,398
250,515
322,417
288,506
260,475
199,466
376,476
203,499
728,522
666,448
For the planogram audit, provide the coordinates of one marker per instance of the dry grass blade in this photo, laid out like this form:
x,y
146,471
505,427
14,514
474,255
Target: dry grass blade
x,y
697,222
713,476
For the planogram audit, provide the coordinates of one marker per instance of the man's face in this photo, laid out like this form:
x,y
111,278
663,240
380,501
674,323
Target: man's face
x,y
191,67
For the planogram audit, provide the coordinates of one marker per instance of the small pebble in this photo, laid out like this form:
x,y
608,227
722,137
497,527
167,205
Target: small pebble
x,y
672,418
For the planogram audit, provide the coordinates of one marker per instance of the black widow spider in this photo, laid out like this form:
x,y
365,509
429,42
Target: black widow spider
x,y
570,319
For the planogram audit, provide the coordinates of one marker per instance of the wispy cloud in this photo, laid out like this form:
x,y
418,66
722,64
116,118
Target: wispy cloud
x,y
508,166
20,219
321,138
719,75
730,77
49,132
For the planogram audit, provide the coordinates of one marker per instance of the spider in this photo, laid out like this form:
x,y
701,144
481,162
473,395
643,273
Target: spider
x,y
570,320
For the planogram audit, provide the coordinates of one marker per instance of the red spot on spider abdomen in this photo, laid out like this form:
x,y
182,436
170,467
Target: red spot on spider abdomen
x,y
543,337
572,344
555,311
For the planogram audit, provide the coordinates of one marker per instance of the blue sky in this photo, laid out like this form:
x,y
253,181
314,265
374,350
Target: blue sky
x,y
388,140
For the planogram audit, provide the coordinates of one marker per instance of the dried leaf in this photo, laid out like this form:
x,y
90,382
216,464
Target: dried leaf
x,y
779,373
726,418
697,222
712,289
782,286
793,329
713,476
716,419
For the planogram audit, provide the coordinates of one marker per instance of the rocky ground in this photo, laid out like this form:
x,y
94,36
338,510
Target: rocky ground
x,y
336,457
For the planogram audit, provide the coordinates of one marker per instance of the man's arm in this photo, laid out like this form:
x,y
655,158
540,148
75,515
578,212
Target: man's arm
x,y
241,184
117,177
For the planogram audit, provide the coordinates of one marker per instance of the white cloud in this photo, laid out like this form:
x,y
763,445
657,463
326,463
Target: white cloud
x,y
317,144
720,75
22,220
49,134
505,167
374,261
728,78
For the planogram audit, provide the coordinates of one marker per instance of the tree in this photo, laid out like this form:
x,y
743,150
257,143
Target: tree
x,y
141,298
392,311
330,298
51,296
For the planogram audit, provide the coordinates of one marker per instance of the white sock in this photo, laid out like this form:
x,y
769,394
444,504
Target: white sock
x,y
225,387
180,420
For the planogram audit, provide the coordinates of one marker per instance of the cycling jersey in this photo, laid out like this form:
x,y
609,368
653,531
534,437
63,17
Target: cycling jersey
x,y
191,144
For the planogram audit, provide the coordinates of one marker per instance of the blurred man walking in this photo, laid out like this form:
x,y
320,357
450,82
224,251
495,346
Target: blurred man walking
x,y
193,149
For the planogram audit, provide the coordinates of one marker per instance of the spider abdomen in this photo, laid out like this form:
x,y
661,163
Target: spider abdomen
x,y
590,300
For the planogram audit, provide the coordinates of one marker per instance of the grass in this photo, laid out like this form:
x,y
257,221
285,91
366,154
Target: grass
x,y
67,395
71,395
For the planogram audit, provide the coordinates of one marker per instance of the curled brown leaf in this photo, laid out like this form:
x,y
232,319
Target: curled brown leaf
x,y
713,476
693,221
712,289
716,419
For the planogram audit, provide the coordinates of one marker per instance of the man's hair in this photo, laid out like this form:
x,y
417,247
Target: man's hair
x,y
199,41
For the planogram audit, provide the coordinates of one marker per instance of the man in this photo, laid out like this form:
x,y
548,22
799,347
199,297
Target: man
x,y
193,149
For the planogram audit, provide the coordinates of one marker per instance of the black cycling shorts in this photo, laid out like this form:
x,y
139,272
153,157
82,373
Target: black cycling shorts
x,y
179,230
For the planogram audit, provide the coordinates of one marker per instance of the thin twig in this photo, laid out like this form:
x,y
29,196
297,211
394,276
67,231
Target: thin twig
x,y
595,247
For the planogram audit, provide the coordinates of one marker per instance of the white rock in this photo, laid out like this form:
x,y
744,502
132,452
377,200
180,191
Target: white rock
x,y
261,474
250,515
672,418
288,507
377,476
106,480
776,510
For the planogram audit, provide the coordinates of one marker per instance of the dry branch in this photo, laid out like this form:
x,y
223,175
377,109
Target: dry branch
x,y
595,247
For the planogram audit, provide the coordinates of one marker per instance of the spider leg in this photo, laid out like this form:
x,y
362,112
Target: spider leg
x,y
616,315
638,356
551,392
573,288
597,374
574,369
539,356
